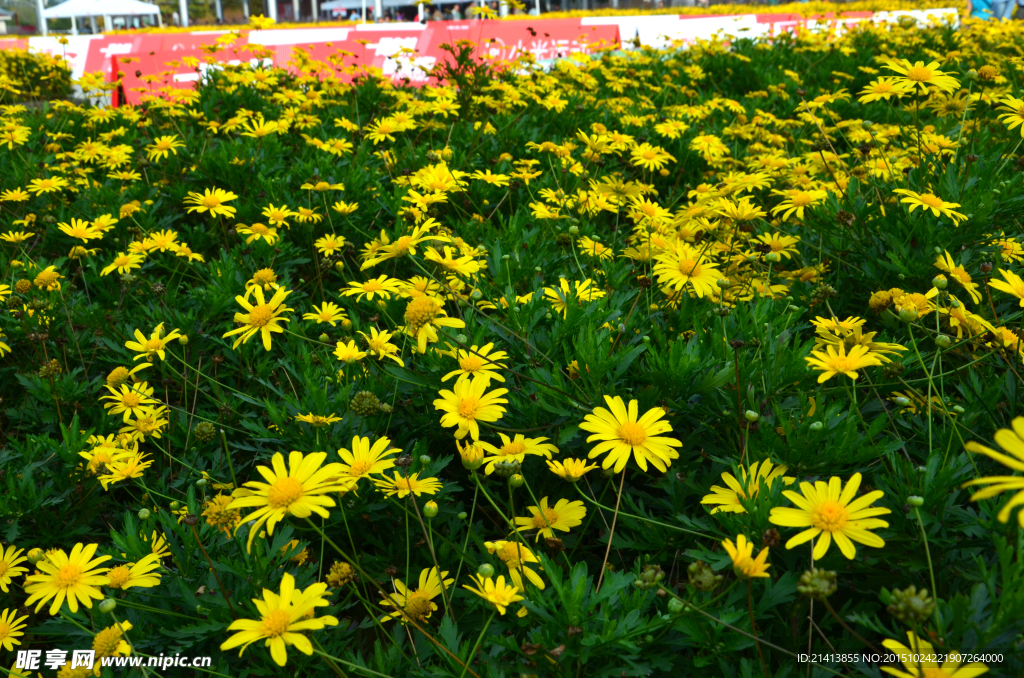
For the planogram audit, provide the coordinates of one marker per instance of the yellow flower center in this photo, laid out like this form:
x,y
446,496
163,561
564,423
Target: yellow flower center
x,y
154,344
284,492
260,315
130,400
932,201
829,516
471,363
513,448
920,74
689,267
119,576
542,522
360,468
276,623
259,229
800,200
372,286
3,568
418,607
420,312
46,278
68,576
632,434
106,642
468,407
211,201
264,276
402,246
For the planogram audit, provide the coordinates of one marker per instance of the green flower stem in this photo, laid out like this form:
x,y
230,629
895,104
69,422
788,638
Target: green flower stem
x,y
146,608
469,528
690,607
544,517
355,667
472,653
931,569
641,518
367,578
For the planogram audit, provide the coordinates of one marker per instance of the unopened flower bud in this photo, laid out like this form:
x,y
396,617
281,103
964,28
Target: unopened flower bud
x,y
817,584
722,283
35,555
772,257
902,401
940,282
476,295
144,514
911,606
675,606
908,314
462,515
574,230
107,605
817,426
751,416
183,340
430,509
485,570
943,341
324,338
915,500
472,455
866,125
516,480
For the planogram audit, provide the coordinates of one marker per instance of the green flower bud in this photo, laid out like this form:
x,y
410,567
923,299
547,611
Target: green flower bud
x,y
915,500
751,416
201,482
908,314
817,584
702,577
574,230
911,606
817,426
107,605
675,606
324,338
516,480
35,555
866,125
901,401
183,340
943,341
723,283
144,514
958,409
463,515
175,505
476,295
773,257
485,570
940,282
430,509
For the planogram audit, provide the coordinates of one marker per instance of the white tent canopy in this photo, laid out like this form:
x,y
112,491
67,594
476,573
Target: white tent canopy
x,y
74,8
